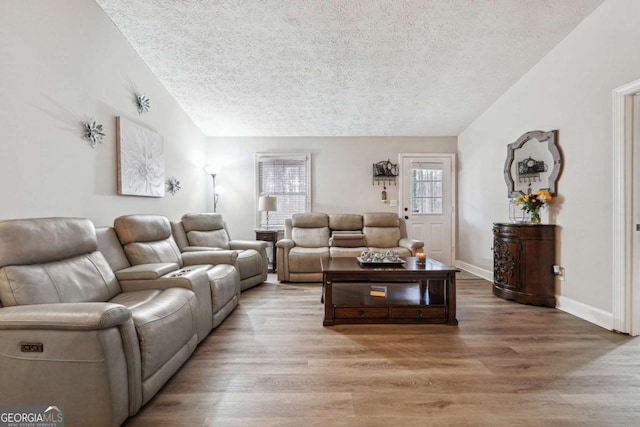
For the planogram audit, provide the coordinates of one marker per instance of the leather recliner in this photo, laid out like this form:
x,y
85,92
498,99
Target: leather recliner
x,y
206,231
70,336
158,276
147,239
306,242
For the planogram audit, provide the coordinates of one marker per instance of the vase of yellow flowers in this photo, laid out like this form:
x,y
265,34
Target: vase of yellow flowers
x,y
532,203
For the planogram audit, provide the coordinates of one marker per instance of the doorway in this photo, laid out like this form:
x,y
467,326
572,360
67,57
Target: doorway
x,y
626,209
427,196
633,104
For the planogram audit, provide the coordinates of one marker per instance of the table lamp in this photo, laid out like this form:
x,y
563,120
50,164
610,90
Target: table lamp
x,y
267,204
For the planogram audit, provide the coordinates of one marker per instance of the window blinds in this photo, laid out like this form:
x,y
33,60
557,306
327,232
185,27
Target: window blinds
x,y
288,178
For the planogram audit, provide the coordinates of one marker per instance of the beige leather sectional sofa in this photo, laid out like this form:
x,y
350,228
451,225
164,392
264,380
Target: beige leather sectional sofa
x,y
310,236
97,320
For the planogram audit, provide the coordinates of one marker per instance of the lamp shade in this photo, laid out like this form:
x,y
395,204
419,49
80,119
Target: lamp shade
x,y
268,203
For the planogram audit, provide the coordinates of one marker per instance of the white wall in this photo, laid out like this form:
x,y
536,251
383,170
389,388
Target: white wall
x,y
63,62
341,170
569,90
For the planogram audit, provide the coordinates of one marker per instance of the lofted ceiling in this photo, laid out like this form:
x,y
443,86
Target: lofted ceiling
x,y
341,67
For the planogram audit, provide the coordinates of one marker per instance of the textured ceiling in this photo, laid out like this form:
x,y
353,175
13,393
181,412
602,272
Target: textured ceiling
x,y
341,67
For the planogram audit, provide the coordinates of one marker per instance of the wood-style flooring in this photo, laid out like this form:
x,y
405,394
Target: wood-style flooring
x,y
272,363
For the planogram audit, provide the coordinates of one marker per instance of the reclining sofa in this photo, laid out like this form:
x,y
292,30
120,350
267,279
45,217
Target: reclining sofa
x,y
308,237
98,319
72,335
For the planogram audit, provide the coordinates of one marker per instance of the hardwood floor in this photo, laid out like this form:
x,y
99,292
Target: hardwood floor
x,y
271,363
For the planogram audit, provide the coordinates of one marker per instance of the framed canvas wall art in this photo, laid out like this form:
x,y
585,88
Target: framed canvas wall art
x,y
140,159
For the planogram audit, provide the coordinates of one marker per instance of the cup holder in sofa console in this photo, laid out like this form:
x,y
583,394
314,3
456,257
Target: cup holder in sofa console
x,y
180,272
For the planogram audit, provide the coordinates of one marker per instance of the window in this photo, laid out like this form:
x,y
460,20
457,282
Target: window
x,y
426,188
288,178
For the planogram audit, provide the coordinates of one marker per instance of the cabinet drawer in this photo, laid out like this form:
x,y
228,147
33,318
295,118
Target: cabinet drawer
x,y
417,312
361,312
506,230
266,237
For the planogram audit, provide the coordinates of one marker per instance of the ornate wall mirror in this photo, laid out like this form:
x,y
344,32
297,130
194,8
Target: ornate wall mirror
x,y
534,163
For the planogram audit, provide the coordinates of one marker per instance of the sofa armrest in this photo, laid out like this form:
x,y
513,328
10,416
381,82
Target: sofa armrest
x,y
210,257
412,245
285,244
179,278
257,245
199,249
87,351
195,279
64,316
146,271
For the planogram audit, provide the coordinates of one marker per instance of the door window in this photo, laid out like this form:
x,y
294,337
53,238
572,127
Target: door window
x,y
426,188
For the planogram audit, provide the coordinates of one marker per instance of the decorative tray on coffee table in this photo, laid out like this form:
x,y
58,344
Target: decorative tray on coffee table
x,y
389,258
383,263
380,262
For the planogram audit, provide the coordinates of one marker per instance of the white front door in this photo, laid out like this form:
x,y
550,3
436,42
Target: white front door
x,y
427,195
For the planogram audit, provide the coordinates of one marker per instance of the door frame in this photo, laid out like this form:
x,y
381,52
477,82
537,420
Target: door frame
x,y
454,191
626,294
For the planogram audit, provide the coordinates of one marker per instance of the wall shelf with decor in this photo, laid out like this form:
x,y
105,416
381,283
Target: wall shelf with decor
x,y
385,173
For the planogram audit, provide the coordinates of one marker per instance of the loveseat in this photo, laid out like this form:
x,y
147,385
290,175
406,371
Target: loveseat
x,y
308,237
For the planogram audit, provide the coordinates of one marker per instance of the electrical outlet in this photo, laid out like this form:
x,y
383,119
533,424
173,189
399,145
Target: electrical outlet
x,y
558,271
394,203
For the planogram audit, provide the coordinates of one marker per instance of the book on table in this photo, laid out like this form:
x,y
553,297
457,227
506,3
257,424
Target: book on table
x,y
378,291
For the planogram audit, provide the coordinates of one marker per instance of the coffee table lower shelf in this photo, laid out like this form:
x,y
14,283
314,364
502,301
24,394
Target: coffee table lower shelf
x,y
405,303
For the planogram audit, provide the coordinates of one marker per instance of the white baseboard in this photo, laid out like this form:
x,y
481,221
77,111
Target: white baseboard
x,y
583,311
480,272
590,314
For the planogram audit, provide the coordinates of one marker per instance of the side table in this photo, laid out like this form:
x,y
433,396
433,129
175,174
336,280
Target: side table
x,y
270,236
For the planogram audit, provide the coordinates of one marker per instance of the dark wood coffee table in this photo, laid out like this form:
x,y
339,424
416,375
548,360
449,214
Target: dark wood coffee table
x,y
415,294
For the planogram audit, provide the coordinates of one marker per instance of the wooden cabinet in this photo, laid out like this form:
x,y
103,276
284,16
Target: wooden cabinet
x,y
523,259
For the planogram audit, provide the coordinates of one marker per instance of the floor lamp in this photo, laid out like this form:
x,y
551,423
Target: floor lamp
x,y
213,171
267,204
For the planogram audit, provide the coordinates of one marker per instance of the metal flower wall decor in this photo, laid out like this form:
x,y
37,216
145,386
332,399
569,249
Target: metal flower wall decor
x,y
173,185
93,132
143,103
